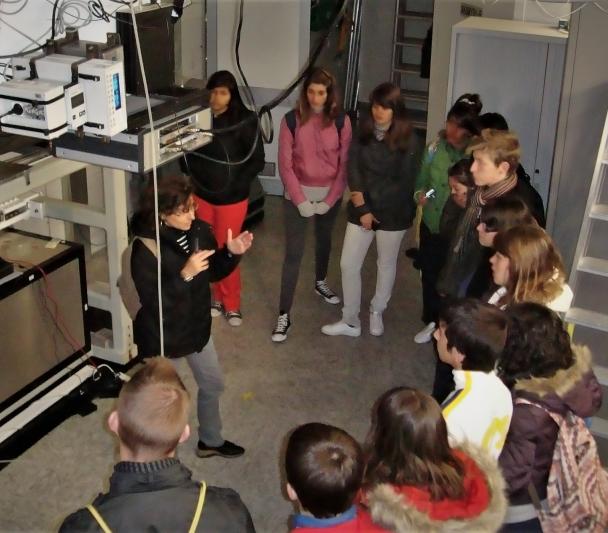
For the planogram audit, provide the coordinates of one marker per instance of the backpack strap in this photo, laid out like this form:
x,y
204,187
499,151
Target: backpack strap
x,y
290,120
99,519
199,508
339,122
150,244
558,419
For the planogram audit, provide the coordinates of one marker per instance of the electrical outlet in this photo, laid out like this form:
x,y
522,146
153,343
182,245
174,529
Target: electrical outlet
x,y
467,10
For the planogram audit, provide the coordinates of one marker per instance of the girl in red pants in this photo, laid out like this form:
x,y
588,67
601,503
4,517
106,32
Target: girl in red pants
x,y
222,190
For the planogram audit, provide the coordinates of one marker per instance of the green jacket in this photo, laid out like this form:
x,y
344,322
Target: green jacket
x,y
439,156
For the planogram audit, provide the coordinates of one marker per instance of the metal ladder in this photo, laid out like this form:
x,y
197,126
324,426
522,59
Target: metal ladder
x,y
411,24
589,278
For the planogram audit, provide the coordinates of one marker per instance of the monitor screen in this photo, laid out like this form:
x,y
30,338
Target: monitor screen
x,y
77,100
116,91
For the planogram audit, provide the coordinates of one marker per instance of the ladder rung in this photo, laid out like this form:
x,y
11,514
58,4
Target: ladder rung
x,y
593,265
410,41
408,68
601,373
599,212
599,427
416,15
586,318
418,96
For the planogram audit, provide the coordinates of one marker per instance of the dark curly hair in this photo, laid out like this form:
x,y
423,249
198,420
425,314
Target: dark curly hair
x,y
538,344
174,192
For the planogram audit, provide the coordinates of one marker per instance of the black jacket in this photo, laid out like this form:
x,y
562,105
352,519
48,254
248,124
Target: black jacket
x,y
186,305
221,184
386,178
533,199
161,496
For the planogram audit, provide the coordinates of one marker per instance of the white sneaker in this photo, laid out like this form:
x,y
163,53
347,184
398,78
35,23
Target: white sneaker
x,y
426,334
217,309
376,326
341,328
235,318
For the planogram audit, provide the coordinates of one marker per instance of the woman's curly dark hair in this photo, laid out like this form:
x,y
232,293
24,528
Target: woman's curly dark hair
x,y
537,344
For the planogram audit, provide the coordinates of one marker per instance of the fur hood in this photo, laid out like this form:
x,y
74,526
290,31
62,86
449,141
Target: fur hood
x,y
563,381
391,510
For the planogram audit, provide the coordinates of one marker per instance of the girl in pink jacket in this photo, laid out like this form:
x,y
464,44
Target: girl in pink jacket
x,y
313,147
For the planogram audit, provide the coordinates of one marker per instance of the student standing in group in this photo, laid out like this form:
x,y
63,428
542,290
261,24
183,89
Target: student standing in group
x,y
470,338
431,192
547,375
150,488
382,166
527,267
416,481
222,190
504,214
313,153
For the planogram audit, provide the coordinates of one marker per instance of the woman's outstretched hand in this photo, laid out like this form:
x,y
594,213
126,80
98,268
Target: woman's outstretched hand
x,y
239,245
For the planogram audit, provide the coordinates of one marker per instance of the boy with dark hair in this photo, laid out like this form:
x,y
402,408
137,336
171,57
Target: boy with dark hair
x,y
324,467
150,490
471,337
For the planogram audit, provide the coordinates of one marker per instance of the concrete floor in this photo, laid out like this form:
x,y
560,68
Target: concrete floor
x,y
270,388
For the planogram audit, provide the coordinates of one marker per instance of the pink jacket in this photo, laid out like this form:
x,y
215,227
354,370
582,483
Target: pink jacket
x,y
315,158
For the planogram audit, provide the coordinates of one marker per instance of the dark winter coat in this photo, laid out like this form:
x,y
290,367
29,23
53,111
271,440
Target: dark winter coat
x,y
186,304
406,509
221,184
386,178
161,496
528,451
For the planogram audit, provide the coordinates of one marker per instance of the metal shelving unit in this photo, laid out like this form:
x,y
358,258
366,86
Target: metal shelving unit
x,y
589,277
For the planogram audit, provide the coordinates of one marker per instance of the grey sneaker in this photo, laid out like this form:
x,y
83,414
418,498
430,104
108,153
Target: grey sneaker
x,y
376,325
426,334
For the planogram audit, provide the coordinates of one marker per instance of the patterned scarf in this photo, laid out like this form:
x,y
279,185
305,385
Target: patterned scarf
x,y
481,197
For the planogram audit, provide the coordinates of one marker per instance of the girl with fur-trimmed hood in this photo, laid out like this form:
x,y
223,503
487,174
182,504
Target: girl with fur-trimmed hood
x,y
414,480
541,367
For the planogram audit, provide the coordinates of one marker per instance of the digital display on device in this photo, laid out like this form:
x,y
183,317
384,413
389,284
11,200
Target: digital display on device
x,y
77,100
116,91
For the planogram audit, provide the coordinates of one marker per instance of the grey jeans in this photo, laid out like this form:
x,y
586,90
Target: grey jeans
x,y
356,244
208,375
295,237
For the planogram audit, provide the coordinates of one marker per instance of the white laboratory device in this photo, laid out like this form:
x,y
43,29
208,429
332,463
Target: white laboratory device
x,y
103,82
35,108
63,68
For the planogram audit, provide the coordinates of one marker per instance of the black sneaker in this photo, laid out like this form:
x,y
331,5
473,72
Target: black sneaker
x,y
326,293
228,450
280,331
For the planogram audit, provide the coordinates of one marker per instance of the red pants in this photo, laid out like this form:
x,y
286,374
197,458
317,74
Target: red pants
x,y
220,218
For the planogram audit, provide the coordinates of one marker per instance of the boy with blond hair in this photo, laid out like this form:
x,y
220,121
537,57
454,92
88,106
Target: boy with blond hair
x,y
150,489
